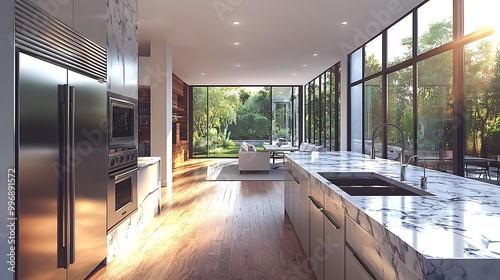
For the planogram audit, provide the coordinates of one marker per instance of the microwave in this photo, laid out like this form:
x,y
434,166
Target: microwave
x,y
122,123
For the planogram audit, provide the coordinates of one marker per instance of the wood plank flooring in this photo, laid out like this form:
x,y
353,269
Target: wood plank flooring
x,y
215,230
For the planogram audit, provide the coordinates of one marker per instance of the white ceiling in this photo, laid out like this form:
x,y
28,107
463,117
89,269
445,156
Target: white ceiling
x,y
277,37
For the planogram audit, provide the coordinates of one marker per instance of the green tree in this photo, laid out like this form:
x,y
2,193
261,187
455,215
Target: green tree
x,y
434,90
253,117
482,94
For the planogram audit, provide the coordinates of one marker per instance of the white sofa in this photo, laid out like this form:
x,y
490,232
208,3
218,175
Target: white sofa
x,y
251,160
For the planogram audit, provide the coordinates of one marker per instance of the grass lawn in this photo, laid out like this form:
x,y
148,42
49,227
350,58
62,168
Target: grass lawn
x,y
231,151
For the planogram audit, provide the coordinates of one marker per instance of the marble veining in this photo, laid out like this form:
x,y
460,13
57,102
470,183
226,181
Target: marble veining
x,y
454,234
119,240
123,48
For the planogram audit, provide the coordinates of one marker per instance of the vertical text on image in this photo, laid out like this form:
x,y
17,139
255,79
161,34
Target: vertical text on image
x,y
11,220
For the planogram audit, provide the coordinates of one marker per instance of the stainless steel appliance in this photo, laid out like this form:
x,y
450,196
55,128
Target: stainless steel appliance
x,y
122,121
62,157
122,186
61,148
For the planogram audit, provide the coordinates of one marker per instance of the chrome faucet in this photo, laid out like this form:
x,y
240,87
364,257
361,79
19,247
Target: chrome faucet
x,y
423,179
372,156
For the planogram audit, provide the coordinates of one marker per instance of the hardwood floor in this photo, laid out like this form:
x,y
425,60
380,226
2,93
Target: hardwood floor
x,y
215,230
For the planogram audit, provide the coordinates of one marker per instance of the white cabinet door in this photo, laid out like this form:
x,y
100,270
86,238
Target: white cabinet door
x,y
334,240
316,197
354,269
296,204
59,9
288,194
304,213
90,20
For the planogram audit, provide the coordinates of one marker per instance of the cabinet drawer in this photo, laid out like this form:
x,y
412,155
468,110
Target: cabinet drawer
x,y
354,268
381,263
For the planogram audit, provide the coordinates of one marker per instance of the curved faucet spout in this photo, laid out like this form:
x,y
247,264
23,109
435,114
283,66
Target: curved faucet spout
x,y
402,140
423,179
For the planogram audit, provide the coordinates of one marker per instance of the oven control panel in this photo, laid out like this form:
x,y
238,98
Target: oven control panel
x,y
121,159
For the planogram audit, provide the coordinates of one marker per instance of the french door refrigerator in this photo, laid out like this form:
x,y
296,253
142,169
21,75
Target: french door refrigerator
x,y
62,171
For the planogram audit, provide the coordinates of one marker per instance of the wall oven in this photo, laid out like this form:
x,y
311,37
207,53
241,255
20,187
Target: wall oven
x,y
122,122
122,186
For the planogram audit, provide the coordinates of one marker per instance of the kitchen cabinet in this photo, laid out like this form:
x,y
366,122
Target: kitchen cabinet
x,y
303,232
354,268
287,191
296,195
292,193
316,241
59,9
149,179
88,17
375,258
334,239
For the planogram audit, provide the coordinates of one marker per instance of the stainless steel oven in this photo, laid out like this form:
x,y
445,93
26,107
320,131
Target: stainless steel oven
x,y
122,186
122,121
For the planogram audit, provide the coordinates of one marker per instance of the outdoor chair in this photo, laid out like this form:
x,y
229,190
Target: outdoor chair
x,y
479,167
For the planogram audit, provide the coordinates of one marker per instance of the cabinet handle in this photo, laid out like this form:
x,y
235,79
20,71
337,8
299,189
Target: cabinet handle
x,y
330,218
360,262
315,203
296,181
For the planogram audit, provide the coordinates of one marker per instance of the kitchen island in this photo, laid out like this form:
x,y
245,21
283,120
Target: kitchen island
x,y
454,233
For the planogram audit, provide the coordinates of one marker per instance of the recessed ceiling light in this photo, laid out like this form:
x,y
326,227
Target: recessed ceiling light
x,y
203,74
304,65
239,81
236,22
236,43
344,22
315,54
237,65
293,74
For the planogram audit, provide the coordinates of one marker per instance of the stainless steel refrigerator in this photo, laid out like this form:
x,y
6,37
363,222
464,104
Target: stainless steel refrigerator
x,y
62,171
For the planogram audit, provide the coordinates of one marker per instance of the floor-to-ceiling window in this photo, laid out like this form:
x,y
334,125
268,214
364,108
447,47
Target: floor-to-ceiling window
x,y
322,109
437,77
223,117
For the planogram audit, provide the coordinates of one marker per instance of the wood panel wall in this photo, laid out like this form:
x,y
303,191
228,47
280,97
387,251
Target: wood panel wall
x,y
180,106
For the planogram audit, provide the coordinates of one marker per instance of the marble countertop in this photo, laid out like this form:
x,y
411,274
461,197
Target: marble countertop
x,y
461,221
147,161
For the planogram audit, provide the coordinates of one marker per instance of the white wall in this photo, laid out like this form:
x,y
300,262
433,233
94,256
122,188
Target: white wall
x,y
159,71
7,119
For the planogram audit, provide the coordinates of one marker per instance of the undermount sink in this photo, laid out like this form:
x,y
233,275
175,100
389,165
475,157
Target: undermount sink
x,y
371,184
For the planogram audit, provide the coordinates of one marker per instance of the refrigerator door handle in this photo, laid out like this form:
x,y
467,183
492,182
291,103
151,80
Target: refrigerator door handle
x,y
72,188
64,177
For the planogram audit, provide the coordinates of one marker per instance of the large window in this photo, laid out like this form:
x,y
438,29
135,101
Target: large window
x,y
322,109
400,110
373,112
356,119
399,41
482,97
479,14
434,127
223,117
373,56
434,28
448,111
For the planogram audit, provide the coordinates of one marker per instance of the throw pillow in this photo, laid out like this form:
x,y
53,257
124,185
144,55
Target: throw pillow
x,y
244,147
310,148
303,146
318,148
251,148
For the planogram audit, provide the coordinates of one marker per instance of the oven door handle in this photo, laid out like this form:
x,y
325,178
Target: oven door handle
x,y
124,174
